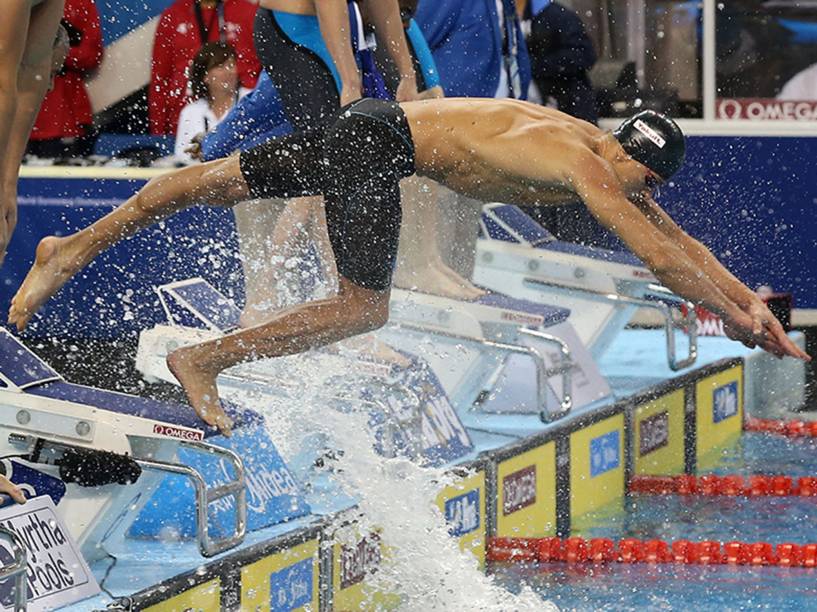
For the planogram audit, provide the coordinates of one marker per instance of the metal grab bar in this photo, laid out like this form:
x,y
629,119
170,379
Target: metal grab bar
x,y
17,569
205,496
542,371
565,369
663,295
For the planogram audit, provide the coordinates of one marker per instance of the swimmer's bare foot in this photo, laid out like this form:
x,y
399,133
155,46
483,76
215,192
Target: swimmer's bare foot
x,y
371,345
254,315
438,279
53,267
466,285
200,386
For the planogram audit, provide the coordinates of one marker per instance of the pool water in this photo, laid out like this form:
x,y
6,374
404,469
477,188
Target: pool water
x,y
673,517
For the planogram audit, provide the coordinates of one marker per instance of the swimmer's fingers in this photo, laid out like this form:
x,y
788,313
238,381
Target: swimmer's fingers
x,y
407,89
12,490
776,332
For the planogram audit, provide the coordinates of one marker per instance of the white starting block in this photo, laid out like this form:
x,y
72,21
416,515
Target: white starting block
x,y
408,408
100,455
601,288
498,354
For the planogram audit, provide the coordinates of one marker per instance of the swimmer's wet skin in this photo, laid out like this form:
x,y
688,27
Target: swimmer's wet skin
x,y
492,150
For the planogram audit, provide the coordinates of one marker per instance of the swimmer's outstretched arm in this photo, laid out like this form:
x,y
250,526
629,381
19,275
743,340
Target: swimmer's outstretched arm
x,y
764,324
596,183
217,183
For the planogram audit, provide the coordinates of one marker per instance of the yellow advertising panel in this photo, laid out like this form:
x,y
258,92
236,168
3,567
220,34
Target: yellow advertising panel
x,y
355,559
288,578
719,410
596,465
463,505
658,430
526,494
202,598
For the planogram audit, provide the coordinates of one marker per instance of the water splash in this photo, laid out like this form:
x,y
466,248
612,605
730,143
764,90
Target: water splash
x,y
397,498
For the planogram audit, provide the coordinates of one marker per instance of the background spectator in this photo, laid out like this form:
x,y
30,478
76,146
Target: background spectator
x,y
183,28
214,91
63,127
561,54
478,46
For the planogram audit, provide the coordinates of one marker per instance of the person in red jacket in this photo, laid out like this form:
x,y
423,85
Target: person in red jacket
x,y
183,28
65,118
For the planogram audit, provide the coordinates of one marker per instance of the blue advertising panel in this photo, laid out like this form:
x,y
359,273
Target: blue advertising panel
x,y
273,495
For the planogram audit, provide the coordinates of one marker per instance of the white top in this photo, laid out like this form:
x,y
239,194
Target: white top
x,y
196,118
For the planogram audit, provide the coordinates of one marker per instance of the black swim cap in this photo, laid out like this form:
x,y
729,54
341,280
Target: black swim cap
x,y
654,140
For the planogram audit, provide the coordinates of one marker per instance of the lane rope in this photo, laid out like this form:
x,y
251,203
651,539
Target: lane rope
x,y
577,550
790,429
757,485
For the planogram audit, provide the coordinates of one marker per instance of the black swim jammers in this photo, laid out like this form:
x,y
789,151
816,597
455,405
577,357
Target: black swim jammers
x,y
356,163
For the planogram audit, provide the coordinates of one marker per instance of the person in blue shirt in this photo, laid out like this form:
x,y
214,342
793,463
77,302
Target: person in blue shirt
x,y
478,46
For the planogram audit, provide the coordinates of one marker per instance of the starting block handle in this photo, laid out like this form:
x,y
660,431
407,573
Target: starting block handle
x,y
565,369
16,569
209,545
665,302
543,373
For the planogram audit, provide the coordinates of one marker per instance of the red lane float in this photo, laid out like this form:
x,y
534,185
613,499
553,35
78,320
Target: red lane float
x,y
576,550
732,484
790,429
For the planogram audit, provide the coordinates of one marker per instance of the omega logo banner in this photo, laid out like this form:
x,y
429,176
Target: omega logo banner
x,y
765,109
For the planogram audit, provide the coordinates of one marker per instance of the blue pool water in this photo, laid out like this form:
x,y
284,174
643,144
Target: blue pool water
x,y
674,587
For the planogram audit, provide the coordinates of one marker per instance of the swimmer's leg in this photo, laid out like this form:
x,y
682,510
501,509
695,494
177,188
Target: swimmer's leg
x,y
420,265
58,259
27,38
259,256
302,219
354,310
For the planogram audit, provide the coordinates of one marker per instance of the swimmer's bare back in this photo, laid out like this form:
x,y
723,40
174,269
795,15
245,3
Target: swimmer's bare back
x,y
485,148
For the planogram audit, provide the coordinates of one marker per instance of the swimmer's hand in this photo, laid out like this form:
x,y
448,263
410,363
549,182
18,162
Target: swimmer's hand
x,y
351,90
432,94
12,490
757,326
194,150
200,385
407,89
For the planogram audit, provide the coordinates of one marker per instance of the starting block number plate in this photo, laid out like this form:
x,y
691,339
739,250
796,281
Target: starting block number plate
x,y
57,573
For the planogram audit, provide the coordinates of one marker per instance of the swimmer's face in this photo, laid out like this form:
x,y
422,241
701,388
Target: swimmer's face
x,y
222,77
637,181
